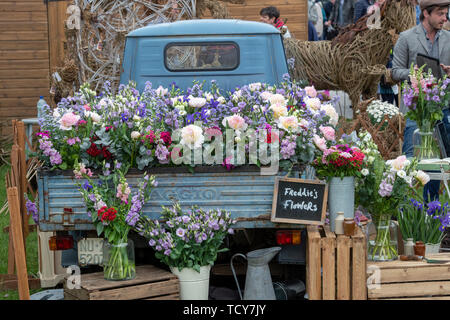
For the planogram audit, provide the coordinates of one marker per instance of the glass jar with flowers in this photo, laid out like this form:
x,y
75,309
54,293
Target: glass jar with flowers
x,y
114,210
382,192
425,96
188,241
338,162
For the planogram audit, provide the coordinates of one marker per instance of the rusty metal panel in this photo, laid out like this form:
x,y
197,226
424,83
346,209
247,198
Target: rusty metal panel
x,y
246,194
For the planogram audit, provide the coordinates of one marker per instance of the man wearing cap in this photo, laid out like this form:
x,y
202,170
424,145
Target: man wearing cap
x,y
430,39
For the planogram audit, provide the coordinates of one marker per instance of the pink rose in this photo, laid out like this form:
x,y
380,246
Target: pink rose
x,y
328,133
87,107
320,142
68,120
311,92
235,122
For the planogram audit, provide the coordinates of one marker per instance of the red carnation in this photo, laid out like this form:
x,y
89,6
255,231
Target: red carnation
x,y
165,136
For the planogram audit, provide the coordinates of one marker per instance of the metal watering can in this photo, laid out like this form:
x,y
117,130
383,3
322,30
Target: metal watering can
x,y
258,281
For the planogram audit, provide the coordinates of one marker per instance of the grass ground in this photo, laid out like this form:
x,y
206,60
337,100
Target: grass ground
x,y
31,244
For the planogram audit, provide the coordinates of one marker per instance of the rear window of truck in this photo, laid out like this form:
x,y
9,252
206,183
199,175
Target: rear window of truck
x,y
201,56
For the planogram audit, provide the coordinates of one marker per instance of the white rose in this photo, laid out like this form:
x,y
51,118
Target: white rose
x,y
331,112
422,177
364,172
135,135
192,136
371,159
196,102
279,110
278,98
136,117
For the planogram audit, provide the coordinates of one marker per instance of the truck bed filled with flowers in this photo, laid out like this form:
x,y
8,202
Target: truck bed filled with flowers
x,y
156,127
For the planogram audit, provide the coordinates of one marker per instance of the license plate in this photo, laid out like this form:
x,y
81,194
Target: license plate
x,y
90,251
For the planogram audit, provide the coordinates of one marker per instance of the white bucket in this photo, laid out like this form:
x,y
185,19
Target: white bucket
x,y
193,285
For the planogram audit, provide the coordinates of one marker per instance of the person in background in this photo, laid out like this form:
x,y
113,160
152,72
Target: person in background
x,y
312,33
329,30
342,13
271,15
361,7
429,39
316,8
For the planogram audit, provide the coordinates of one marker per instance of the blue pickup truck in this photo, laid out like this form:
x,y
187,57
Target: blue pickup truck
x,y
233,53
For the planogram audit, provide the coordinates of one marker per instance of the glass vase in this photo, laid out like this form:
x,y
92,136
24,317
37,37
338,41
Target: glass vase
x,y
118,260
425,144
383,246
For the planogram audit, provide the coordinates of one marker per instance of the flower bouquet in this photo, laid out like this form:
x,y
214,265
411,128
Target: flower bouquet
x,y
424,222
114,210
338,162
188,241
425,98
382,191
162,126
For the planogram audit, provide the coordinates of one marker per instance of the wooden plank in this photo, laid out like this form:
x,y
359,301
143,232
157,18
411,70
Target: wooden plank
x,y
23,16
24,45
421,298
359,254
328,265
24,64
24,74
23,179
24,93
426,273
56,20
138,292
343,267
10,282
23,83
411,289
23,35
11,261
19,247
167,297
24,26
22,6
23,54
144,274
23,104
313,260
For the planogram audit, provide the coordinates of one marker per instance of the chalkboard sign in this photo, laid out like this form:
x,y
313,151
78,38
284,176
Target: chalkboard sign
x,y
299,201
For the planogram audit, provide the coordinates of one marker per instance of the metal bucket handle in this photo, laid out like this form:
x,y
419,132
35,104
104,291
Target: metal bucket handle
x,y
234,273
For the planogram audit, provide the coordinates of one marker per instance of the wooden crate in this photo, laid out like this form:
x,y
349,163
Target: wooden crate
x,y
335,265
151,283
409,280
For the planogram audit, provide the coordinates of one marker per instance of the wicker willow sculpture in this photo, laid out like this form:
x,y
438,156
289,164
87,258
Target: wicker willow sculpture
x,y
355,60
95,43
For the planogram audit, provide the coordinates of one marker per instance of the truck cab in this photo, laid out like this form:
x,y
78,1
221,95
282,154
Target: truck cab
x,y
231,52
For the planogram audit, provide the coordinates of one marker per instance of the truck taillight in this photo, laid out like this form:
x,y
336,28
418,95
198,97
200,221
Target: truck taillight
x,y
288,237
60,243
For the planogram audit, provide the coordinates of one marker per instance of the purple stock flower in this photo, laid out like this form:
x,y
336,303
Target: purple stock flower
x,y
32,209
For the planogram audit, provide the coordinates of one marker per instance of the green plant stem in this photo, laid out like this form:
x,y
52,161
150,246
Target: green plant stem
x,y
383,247
118,266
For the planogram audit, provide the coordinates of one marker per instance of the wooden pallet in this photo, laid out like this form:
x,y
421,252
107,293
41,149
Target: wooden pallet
x,y
151,283
335,265
409,280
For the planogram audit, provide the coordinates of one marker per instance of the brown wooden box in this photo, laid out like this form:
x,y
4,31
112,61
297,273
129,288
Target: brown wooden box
x,y
335,265
151,283
409,280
